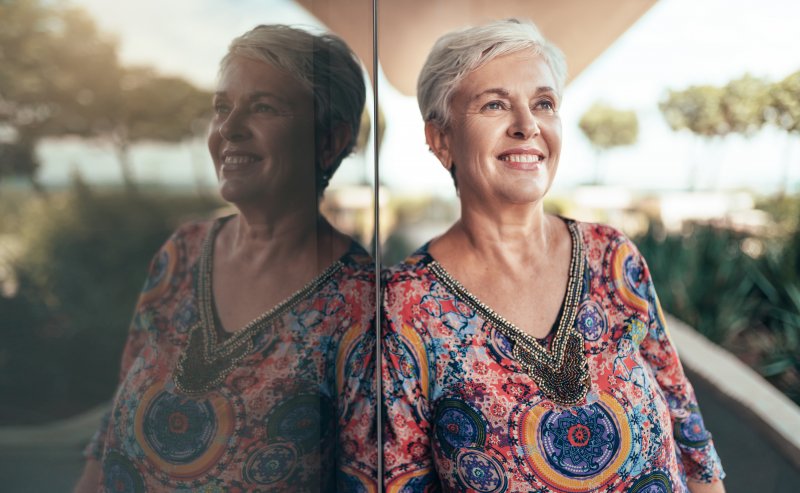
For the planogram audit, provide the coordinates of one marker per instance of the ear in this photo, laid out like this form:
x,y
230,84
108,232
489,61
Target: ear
x,y
333,145
439,143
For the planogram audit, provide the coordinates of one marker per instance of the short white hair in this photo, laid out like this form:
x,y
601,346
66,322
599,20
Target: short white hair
x,y
457,54
323,64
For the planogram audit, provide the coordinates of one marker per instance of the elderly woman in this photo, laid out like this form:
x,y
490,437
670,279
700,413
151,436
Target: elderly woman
x,y
525,351
248,366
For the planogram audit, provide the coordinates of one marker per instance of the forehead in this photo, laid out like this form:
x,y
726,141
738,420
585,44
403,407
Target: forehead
x,y
242,77
524,72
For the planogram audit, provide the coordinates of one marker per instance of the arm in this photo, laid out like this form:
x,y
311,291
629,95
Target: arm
x,y
357,454
158,273
88,482
715,487
694,443
407,456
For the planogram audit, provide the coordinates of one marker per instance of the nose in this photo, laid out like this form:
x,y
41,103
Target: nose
x,y
524,125
234,127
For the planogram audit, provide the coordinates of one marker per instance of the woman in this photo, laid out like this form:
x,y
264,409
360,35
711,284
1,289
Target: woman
x,y
248,366
525,351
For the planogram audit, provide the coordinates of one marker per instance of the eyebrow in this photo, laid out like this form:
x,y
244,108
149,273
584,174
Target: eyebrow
x,y
256,95
504,92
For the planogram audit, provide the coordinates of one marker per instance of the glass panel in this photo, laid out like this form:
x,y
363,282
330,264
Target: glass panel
x,y
241,195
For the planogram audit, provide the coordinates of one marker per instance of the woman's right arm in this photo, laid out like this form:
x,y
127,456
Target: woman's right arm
x,y
407,455
88,482
160,269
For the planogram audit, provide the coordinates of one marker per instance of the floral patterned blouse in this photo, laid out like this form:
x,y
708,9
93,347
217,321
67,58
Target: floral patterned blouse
x,y
472,403
285,404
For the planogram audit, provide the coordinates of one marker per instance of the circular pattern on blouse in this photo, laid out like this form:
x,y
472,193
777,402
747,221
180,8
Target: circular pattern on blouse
x,y
578,449
654,482
458,426
182,436
303,419
270,464
502,349
120,475
692,431
627,274
351,479
591,321
478,471
158,283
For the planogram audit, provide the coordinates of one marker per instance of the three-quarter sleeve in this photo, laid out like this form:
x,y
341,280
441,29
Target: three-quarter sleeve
x,y
695,445
407,454
159,274
357,454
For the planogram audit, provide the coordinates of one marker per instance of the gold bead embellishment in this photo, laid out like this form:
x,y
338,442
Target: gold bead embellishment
x,y
205,363
562,373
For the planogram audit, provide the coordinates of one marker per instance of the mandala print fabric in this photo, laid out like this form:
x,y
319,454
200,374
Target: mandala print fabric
x,y
295,413
462,414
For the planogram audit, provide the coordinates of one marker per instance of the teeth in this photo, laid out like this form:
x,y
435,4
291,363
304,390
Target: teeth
x,y
522,158
239,159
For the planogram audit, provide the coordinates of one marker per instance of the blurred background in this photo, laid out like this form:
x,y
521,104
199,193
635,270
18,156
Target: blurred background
x,y
681,125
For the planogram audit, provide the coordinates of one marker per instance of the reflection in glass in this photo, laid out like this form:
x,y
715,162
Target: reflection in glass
x,y
249,362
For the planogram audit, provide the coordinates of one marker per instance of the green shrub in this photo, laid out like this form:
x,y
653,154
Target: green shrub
x,y
84,258
748,302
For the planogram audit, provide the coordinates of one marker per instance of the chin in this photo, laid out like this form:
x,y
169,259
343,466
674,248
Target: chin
x,y
530,193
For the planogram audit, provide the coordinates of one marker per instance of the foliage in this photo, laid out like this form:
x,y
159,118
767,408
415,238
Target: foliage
x,y
83,260
785,103
702,278
743,104
608,127
697,108
751,304
59,75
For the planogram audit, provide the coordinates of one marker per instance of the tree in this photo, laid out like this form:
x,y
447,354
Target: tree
x,y
743,104
153,107
784,106
59,75
699,110
606,128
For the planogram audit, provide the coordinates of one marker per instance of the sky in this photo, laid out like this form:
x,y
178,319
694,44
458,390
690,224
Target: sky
x,y
676,44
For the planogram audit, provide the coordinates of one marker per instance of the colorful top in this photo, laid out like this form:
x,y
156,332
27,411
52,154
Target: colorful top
x,y
285,404
472,403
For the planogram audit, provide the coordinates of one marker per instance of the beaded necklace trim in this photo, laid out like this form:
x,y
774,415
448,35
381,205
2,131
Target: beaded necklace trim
x,y
205,363
562,373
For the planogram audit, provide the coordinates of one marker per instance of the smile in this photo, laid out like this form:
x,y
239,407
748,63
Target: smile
x,y
239,159
522,158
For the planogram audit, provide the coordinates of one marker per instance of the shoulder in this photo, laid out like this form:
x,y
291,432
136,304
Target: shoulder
x,y
187,239
602,239
358,263
413,269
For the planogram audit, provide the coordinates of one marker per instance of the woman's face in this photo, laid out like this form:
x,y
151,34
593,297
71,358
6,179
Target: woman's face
x,y
504,136
261,137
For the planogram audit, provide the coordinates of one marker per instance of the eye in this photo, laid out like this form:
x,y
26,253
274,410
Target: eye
x,y
221,108
545,105
264,108
494,106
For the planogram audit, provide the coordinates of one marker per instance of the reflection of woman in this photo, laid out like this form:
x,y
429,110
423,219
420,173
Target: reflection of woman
x,y
248,362
524,351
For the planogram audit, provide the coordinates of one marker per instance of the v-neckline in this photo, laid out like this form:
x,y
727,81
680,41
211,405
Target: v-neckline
x,y
206,361
208,306
529,352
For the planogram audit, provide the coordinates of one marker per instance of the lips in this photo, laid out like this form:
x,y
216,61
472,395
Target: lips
x,y
522,158
233,160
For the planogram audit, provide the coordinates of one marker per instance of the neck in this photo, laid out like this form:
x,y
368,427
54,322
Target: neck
x,y
262,237
518,231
